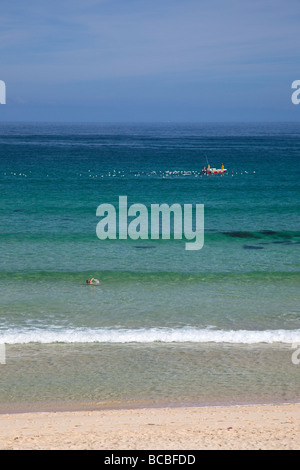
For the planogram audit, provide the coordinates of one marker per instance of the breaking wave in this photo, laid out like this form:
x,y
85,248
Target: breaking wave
x,y
149,335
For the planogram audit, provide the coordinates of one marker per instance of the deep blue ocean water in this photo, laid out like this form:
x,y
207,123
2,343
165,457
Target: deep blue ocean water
x,y
159,309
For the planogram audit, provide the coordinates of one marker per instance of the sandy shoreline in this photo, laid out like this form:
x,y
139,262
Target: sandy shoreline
x,y
220,427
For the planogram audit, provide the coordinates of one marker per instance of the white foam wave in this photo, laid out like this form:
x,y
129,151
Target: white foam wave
x,y
148,335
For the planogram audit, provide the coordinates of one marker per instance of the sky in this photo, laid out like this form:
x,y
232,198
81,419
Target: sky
x,y
149,60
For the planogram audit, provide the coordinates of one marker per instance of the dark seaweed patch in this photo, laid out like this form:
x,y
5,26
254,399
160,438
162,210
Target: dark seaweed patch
x,y
268,232
143,247
252,247
241,234
282,242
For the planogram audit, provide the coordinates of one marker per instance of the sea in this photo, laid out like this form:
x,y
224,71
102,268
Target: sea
x,y
166,326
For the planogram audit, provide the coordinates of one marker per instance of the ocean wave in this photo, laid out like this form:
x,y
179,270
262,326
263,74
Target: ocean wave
x,y
272,236
110,277
149,335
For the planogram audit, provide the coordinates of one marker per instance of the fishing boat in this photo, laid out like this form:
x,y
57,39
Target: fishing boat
x,y
214,171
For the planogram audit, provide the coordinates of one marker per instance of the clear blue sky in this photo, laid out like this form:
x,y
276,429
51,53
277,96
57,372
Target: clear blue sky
x,y
149,60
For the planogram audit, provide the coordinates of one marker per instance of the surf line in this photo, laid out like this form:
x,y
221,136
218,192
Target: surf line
x,y
165,221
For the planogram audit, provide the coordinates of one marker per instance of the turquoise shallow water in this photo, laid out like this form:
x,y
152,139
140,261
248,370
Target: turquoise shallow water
x,y
160,311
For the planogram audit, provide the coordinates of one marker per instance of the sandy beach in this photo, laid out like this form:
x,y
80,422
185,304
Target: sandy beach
x,y
223,427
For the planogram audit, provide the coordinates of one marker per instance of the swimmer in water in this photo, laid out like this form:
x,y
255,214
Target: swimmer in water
x,y
93,281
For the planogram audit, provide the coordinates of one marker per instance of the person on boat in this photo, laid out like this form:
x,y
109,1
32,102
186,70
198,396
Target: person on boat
x,y
222,166
93,281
